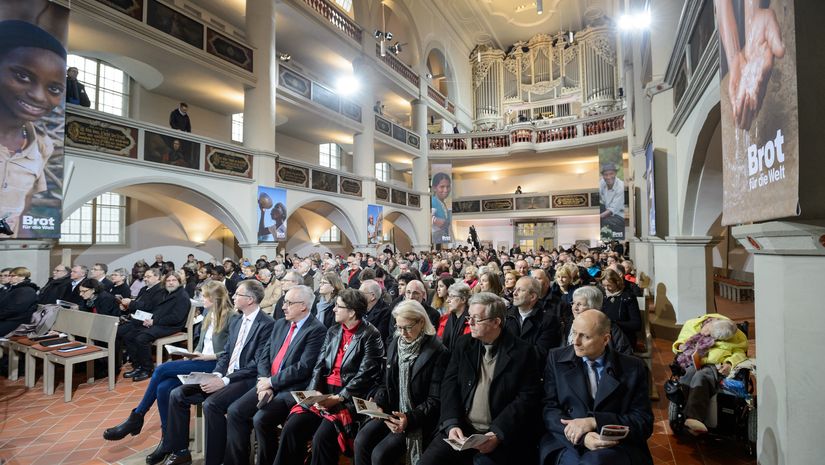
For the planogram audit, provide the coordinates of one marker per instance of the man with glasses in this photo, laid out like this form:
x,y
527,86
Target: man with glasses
x,y
531,322
378,312
491,387
57,287
234,375
290,280
77,274
285,365
5,280
98,272
415,290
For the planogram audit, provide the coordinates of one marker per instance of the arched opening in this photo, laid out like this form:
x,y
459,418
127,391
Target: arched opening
x,y
400,230
158,218
393,16
442,75
308,229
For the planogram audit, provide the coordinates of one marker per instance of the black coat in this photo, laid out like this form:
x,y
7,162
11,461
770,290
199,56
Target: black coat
x,y
73,295
542,330
106,284
54,290
514,393
258,334
329,314
623,310
147,299
361,366
104,304
425,385
379,316
172,310
618,341
622,399
299,359
123,290
178,120
17,306
435,317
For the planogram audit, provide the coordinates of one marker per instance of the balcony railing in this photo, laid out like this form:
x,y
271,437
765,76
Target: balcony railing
x,y
308,89
527,133
403,135
337,18
385,193
556,200
440,99
398,66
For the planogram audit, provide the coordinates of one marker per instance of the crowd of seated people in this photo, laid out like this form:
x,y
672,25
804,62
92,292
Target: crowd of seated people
x,y
450,344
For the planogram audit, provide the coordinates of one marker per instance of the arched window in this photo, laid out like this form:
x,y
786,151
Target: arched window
x,y
107,86
331,236
382,172
101,220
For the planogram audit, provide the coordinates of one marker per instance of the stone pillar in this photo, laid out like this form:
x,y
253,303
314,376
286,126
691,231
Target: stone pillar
x,y
33,254
421,176
259,101
363,155
682,264
789,263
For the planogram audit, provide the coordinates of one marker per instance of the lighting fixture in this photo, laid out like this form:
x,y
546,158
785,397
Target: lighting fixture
x,y
284,57
635,21
378,34
539,7
347,85
388,35
429,75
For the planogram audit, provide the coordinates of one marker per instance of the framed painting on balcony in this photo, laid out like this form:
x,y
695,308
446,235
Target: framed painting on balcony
x,y
227,162
133,8
325,97
292,174
414,200
399,197
294,82
383,126
101,136
322,181
351,186
174,23
228,50
532,203
382,193
169,150
351,110
399,134
413,140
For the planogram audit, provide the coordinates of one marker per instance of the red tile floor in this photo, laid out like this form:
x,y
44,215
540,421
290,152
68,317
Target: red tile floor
x,y
38,429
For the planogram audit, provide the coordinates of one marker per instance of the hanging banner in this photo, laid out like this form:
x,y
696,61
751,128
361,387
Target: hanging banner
x,y
441,203
271,214
611,193
375,224
759,105
32,38
650,183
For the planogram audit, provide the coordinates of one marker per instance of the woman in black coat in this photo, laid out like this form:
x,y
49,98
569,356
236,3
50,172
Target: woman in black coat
x,y
97,300
416,361
620,305
19,302
348,366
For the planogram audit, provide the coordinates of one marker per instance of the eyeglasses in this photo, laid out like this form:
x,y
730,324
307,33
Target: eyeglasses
x,y
342,307
325,282
288,302
475,320
407,329
83,291
453,297
241,295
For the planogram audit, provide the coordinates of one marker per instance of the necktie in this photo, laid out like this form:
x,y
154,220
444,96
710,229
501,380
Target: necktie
x,y
276,364
594,377
236,352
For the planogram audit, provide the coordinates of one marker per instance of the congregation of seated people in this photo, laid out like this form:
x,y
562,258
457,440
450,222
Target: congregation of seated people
x,y
527,355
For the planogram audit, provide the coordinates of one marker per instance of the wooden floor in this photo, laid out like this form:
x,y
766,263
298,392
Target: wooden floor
x,y
38,429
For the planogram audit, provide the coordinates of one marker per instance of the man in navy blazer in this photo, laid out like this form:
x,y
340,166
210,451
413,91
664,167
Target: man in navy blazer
x,y
280,370
236,370
587,386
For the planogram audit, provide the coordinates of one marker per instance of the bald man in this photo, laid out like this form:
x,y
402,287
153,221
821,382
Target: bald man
x,y
588,386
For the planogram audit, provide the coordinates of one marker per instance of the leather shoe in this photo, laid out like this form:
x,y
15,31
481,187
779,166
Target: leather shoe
x,y
180,458
131,425
142,375
157,456
131,374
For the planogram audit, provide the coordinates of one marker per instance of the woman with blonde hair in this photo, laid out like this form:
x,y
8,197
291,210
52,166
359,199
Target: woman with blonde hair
x,y
409,392
510,279
328,289
566,282
165,377
620,305
471,276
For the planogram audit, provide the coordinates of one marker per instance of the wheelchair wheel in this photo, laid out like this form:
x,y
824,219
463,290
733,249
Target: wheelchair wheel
x,y
676,418
752,426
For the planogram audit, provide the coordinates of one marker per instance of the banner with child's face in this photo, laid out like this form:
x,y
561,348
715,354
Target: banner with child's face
x,y
32,103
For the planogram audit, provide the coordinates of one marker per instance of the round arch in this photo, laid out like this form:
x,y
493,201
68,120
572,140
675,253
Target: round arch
x,y
703,196
404,224
179,187
400,18
327,209
434,56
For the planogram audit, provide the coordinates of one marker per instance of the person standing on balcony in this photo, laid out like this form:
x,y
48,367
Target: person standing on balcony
x,y
179,118
75,91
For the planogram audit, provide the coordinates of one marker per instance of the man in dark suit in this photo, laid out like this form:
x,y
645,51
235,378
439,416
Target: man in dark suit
x,y
530,321
234,373
57,287
98,272
588,386
378,312
285,364
290,280
491,387
77,274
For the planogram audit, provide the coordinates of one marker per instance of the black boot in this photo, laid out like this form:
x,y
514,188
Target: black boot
x,y
132,426
157,455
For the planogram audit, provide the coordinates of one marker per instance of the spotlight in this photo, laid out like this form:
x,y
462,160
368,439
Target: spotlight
x,y
284,57
634,21
378,34
555,41
347,85
429,75
388,35
539,7
525,49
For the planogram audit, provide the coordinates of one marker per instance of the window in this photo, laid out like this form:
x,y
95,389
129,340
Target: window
x,y
382,172
99,221
107,86
345,5
237,127
330,156
332,235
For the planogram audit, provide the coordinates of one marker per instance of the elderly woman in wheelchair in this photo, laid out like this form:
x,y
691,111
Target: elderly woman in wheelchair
x,y
707,349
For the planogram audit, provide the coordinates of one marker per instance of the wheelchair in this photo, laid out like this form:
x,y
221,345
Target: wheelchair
x,y
732,410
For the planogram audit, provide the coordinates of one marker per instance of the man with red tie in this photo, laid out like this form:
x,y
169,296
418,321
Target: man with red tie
x,y
285,365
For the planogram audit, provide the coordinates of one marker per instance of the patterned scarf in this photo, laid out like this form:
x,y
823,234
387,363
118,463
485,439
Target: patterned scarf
x,y
407,354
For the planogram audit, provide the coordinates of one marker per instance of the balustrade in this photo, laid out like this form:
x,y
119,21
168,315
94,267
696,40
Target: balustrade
x,y
398,66
337,18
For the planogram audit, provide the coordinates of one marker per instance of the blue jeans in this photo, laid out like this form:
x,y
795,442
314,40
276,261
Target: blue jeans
x,y
164,379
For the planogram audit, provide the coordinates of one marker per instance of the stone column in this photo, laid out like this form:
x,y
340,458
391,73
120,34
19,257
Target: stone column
x,y
682,264
789,263
259,101
421,175
33,254
363,158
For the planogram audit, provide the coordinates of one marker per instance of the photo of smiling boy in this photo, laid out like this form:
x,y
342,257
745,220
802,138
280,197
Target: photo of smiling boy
x,y
32,85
